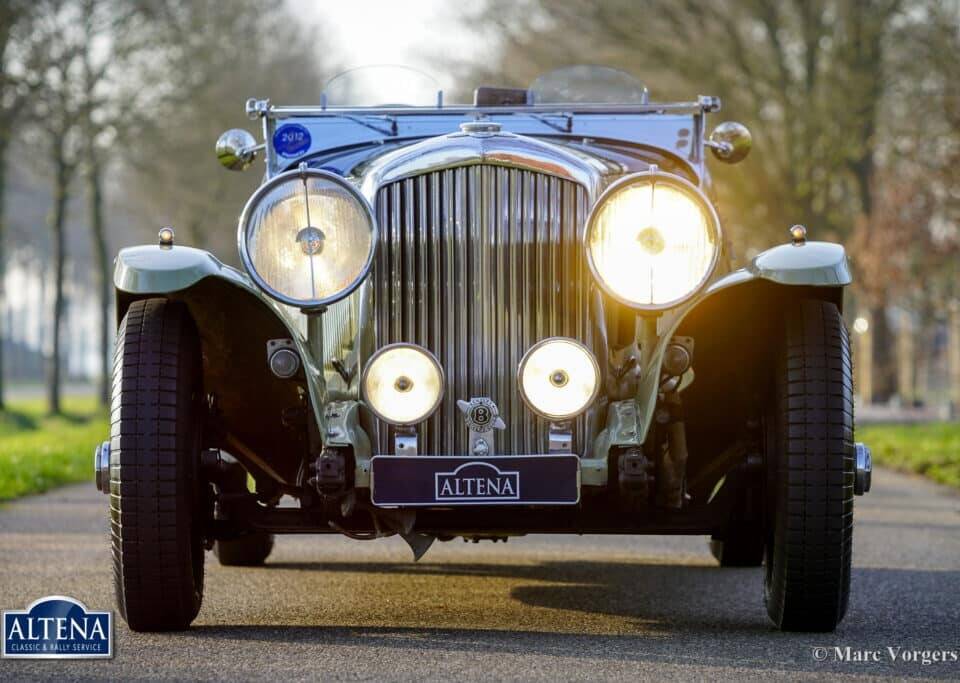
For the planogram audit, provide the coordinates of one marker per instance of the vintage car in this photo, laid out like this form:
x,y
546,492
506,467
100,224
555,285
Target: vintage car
x,y
481,321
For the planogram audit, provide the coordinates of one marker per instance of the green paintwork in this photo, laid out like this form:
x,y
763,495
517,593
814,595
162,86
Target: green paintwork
x,y
151,269
813,264
343,429
818,264
622,429
155,270
822,264
146,270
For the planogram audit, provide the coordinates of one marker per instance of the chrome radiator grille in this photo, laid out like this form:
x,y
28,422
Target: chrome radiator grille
x,y
477,264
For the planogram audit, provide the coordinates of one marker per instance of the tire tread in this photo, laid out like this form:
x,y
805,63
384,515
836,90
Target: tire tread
x,y
153,439
808,584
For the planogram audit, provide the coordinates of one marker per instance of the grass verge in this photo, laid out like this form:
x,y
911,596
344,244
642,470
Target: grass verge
x,y
932,450
38,452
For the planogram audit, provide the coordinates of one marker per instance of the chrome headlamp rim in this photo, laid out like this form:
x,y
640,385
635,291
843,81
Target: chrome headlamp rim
x,y
263,190
686,186
402,345
589,401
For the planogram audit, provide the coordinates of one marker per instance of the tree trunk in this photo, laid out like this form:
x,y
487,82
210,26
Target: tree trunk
x,y
953,358
61,186
884,370
102,261
3,259
906,361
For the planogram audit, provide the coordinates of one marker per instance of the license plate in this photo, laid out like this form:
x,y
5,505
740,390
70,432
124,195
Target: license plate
x,y
440,481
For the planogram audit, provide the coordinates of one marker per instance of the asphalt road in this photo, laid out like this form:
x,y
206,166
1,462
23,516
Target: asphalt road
x,y
557,608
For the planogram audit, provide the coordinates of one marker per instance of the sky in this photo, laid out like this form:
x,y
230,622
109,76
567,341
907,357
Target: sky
x,y
418,33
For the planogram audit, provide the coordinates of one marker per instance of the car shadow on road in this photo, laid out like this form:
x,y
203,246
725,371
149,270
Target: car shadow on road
x,y
632,590
633,611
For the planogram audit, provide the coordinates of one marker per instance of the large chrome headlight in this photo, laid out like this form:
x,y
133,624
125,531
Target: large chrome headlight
x,y
307,238
652,240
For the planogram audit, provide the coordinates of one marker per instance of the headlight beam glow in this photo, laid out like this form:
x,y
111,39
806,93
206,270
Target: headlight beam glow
x,y
652,240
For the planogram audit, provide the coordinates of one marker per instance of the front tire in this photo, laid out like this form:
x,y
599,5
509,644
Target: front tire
x,y
810,454
155,494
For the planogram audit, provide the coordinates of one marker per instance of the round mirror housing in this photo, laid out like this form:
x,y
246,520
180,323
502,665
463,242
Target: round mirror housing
x,y
236,149
730,142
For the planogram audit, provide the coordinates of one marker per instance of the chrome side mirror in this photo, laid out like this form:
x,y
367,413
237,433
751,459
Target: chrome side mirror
x,y
730,142
236,149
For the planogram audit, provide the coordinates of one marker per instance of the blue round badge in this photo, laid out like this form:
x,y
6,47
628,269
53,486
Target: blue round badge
x,y
291,140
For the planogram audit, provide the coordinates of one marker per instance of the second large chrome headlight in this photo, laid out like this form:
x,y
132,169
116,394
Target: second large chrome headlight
x,y
307,237
652,240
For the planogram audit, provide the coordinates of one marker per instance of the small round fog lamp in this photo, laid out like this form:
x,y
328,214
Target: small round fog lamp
x,y
402,384
559,378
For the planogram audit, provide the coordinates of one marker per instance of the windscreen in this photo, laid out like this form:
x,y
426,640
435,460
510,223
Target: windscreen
x,y
381,86
588,84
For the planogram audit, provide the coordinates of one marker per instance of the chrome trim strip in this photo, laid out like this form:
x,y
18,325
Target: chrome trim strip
x,y
500,149
704,104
